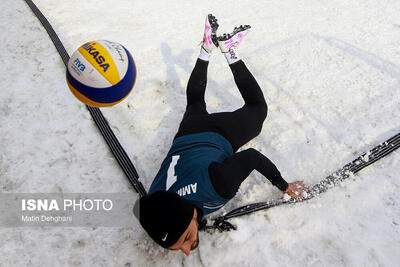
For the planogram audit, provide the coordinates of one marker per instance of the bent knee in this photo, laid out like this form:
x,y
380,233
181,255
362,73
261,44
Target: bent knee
x,y
264,111
260,116
261,112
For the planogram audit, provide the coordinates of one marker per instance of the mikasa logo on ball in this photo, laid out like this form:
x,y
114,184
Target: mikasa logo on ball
x,y
96,55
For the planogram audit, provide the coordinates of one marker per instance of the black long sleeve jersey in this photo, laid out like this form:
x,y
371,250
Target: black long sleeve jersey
x,y
227,176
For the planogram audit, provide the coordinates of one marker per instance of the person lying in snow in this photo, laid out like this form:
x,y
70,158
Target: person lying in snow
x,y
202,170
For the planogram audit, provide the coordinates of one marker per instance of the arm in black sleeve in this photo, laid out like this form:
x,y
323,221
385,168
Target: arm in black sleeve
x,y
227,176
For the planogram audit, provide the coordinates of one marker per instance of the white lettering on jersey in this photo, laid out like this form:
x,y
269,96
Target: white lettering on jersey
x,y
194,187
187,189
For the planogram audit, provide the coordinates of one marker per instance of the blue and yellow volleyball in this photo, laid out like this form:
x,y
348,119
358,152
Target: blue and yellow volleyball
x,y
101,73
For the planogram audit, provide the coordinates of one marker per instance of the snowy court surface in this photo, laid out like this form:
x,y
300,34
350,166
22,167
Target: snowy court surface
x,y
330,71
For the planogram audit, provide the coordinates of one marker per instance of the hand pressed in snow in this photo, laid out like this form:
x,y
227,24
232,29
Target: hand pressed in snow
x,y
296,189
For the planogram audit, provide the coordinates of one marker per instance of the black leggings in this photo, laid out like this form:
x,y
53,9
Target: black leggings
x,y
239,126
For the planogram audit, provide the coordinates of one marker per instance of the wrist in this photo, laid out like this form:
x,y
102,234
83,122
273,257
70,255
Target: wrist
x,y
284,187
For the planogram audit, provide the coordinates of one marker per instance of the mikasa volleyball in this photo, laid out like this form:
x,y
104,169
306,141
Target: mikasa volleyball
x,y
101,73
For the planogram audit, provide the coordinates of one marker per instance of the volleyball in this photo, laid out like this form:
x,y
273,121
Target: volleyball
x,y
101,73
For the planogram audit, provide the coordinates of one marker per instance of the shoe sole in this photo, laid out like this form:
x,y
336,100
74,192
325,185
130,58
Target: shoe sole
x,y
214,26
236,30
213,23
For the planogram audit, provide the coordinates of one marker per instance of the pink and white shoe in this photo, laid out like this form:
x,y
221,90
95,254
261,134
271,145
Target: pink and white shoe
x,y
210,33
227,41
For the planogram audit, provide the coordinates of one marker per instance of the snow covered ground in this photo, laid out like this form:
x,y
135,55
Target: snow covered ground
x,y
330,71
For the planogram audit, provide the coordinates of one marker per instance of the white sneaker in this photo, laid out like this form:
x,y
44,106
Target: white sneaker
x,y
227,41
210,33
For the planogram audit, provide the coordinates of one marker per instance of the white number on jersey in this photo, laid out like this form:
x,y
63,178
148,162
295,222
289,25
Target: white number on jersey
x,y
171,177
